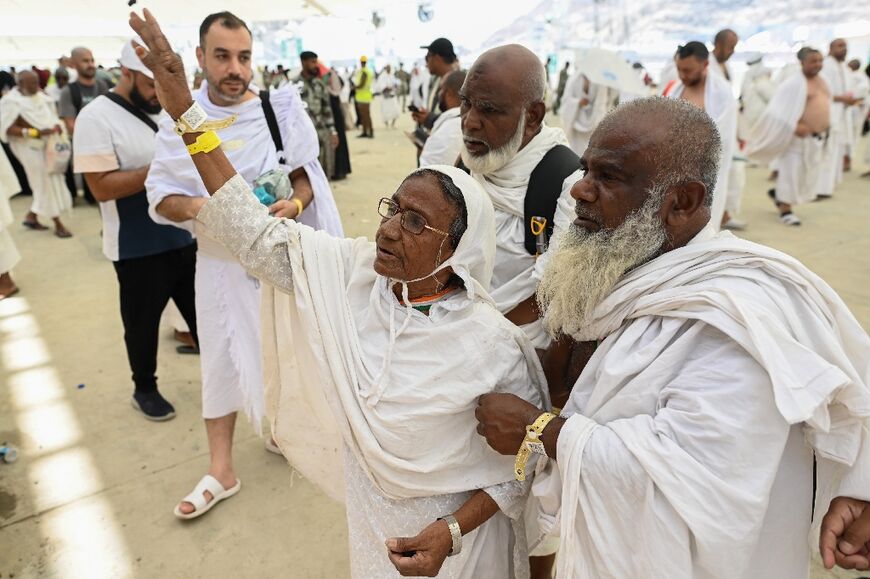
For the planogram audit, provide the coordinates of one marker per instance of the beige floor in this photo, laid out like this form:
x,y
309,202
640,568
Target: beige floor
x,y
92,494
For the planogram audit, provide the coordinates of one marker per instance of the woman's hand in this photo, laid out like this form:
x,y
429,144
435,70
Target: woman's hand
x,y
169,78
424,554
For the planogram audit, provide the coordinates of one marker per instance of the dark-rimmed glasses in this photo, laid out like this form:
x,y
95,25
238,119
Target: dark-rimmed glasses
x,y
410,220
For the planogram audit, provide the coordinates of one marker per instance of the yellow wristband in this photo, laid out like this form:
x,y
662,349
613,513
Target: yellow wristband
x,y
299,206
205,143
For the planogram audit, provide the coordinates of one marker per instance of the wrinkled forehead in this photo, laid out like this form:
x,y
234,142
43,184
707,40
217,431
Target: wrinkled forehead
x,y
628,142
493,83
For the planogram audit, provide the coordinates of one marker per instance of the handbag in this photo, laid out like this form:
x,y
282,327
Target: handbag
x,y
57,154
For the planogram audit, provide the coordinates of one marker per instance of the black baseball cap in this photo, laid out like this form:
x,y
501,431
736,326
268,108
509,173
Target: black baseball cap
x,y
442,47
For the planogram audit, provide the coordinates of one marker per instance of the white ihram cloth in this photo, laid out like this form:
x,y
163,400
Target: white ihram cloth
x,y
389,104
720,105
227,299
50,194
836,74
737,171
445,141
755,93
516,273
772,138
9,256
395,388
579,122
689,440
859,85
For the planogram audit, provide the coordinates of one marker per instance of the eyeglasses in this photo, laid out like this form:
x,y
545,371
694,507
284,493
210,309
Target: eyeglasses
x,y
410,220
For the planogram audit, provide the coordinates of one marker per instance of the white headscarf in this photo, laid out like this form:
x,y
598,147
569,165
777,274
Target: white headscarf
x,y
401,398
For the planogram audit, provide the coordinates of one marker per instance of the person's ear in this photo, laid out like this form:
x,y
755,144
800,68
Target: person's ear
x,y
684,203
535,116
200,57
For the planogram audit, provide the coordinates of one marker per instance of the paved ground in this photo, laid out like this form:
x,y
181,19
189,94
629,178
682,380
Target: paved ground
x,y
92,494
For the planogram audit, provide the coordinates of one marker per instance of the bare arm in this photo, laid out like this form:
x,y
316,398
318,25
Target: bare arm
x,y
180,208
110,185
70,123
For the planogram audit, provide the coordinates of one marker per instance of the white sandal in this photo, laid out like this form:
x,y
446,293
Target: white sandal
x,y
198,500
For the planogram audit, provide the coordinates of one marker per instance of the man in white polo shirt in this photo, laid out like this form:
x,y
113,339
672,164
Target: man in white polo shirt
x,y
114,145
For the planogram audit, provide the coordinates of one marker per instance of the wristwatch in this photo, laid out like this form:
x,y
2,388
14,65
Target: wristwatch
x,y
191,120
455,534
532,443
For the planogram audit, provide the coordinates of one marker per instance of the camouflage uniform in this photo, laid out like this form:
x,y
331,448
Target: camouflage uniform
x,y
316,98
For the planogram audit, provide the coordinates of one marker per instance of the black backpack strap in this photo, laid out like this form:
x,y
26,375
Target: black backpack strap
x,y
272,121
138,113
544,190
75,91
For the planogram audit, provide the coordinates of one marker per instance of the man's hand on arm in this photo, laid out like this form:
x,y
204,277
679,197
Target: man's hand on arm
x,y
844,539
424,554
110,185
503,419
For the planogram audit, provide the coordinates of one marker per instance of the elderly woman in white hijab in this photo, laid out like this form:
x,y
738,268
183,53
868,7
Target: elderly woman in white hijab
x,y
381,351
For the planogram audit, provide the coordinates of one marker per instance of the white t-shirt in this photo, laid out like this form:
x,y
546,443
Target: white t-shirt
x,y
110,138
444,144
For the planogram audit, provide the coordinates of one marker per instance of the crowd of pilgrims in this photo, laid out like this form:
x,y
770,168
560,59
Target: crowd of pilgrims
x,y
553,355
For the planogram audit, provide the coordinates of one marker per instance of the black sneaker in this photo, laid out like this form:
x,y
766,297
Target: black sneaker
x,y
153,406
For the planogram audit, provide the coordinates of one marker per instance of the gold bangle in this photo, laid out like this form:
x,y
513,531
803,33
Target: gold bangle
x,y
300,208
33,133
532,443
205,143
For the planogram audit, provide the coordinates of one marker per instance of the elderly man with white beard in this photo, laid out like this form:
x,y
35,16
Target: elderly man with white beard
x,y
686,447
526,168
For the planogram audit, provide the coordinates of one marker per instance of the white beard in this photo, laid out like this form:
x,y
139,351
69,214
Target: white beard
x,y
494,160
585,266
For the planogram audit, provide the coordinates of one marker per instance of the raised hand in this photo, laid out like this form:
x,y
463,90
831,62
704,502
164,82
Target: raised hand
x,y
169,77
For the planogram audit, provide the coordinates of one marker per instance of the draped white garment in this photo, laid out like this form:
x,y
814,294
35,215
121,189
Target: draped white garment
x,y
50,194
835,74
720,105
579,122
772,138
232,363
687,450
859,85
516,273
9,256
397,388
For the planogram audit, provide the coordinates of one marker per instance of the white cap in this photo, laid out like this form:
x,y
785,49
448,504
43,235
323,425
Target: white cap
x,y
129,58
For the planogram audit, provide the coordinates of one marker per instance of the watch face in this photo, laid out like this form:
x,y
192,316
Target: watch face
x,y
194,116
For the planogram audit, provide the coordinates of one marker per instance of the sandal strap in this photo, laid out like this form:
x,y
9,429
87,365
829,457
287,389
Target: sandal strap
x,y
197,497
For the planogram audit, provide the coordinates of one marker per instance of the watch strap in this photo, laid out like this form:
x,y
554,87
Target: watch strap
x,y
532,443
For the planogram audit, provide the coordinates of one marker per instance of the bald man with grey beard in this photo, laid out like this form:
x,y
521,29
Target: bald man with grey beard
x,y
528,169
726,370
